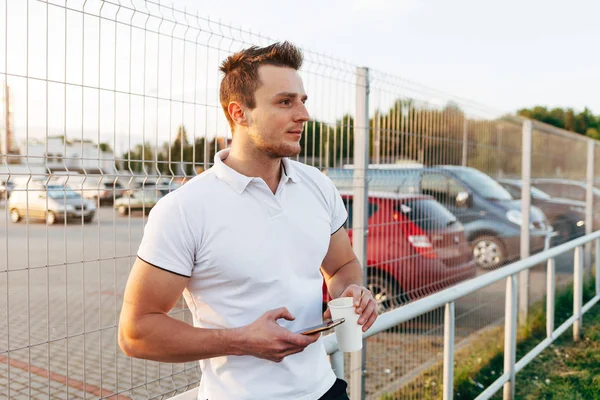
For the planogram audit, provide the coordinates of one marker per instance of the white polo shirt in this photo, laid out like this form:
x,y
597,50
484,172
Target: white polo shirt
x,y
248,251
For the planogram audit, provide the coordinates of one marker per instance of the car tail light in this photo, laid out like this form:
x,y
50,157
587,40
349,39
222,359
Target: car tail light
x,y
417,238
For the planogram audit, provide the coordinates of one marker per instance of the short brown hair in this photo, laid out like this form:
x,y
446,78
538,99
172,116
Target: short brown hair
x,y
241,72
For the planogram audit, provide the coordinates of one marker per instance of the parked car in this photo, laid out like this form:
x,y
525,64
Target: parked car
x,y
51,203
6,188
491,217
415,247
567,217
100,189
167,187
164,184
137,200
565,188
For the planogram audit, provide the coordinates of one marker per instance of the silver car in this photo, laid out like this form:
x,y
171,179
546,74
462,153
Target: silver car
x,y
51,203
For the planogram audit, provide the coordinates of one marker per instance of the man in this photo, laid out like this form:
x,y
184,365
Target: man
x,y
244,242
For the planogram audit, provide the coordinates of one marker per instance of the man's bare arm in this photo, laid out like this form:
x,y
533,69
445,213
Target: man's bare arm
x,y
147,331
344,278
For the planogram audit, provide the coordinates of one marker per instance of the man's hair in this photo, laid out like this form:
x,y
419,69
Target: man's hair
x,y
241,72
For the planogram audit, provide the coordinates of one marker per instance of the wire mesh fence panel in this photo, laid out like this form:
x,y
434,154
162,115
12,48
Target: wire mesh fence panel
x,y
107,106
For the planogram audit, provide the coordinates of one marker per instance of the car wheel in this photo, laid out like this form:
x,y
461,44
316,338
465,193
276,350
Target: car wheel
x,y
488,252
14,215
386,291
88,220
50,218
122,210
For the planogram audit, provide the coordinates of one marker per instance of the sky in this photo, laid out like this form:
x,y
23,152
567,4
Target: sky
x,y
92,78
504,54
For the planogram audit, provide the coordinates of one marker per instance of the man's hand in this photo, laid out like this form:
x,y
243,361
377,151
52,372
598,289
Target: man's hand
x,y
265,338
364,303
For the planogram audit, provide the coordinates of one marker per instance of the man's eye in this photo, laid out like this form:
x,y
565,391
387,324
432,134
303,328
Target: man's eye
x,y
285,102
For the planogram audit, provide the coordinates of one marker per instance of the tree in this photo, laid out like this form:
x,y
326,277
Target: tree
x,y
105,147
563,118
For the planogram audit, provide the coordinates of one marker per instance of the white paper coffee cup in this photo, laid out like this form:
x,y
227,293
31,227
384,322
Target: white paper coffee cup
x,y
349,334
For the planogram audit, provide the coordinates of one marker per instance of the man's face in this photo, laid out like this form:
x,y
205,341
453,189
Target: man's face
x,y
275,125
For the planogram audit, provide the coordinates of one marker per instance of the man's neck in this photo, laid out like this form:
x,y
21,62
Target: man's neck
x,y
253,163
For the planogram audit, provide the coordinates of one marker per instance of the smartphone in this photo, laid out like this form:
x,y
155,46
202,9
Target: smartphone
x,y
321,327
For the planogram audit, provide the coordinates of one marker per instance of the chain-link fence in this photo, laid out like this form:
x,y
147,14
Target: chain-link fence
x,y
108,105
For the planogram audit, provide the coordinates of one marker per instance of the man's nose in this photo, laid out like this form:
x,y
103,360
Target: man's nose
x,y
302,115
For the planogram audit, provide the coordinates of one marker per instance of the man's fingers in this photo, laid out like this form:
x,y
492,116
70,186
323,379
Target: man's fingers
x,y
356,294
369,310
300,340
369,322
327,314
281,312
364,300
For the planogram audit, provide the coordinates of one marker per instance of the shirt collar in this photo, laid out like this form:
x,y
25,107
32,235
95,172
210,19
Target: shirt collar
x,y
238,181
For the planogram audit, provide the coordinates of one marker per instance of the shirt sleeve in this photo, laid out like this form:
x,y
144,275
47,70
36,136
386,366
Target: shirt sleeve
x,y
339,215
168,243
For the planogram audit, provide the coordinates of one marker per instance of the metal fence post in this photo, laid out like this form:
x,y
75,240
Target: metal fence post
x,y
448,385
465,142
597,266
359,223
525,208
589,201
550,294
577,292
510,336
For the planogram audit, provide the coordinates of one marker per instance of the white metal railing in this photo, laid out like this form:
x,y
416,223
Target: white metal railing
x,y
448,297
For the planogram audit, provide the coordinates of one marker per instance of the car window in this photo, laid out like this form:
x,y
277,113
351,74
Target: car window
x,y
373,207
514,191
426,214
483,184
436,185
454,188
61,193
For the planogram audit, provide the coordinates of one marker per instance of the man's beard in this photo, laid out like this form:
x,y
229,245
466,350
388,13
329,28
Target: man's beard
x,y
280,150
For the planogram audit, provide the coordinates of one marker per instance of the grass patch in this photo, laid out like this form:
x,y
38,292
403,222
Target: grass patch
x,y
565,370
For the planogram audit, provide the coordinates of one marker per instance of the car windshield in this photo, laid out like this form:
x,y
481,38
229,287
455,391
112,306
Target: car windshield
x,y
61,192
483,184
427,214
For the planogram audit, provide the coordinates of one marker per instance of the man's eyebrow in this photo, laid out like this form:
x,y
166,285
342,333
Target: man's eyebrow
x,y
291,94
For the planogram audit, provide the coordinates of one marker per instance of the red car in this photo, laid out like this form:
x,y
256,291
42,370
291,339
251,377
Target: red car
x,y
415,247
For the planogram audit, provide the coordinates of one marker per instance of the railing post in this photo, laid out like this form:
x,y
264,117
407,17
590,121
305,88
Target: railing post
x,y
525,208
597,266
589,201
449,351
510,336
577,292
550,294
337,363
359,223
465,142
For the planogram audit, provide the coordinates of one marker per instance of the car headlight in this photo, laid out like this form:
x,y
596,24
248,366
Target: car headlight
x,y
514,216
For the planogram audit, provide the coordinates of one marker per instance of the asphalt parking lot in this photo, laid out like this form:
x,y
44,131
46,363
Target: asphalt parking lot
x,y
61,291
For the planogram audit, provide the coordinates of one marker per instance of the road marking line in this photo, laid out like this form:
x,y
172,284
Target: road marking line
x,y
56,377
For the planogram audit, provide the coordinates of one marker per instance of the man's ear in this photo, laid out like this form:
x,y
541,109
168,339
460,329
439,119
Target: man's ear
x,y
237,113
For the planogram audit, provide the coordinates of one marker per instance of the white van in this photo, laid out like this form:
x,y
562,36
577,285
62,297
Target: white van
x,y
51,203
